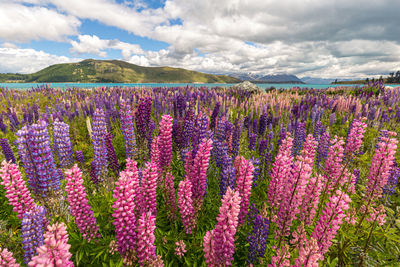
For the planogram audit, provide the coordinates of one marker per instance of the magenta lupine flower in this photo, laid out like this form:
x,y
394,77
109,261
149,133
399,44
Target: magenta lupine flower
x,y
170,195
330,220
294,188
185,204
16,191
198,174
79,205
7,259
62,143
99,144
381,165
219,244
149,188
146,250
309,254
355,138
125,194
180,249
55,251
244,179
165,141
281,172
127,129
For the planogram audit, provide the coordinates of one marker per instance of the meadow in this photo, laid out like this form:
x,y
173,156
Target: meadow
x,y
186,176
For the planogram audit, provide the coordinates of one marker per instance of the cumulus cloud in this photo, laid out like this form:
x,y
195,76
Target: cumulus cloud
x,y
15,60
20,23
92,44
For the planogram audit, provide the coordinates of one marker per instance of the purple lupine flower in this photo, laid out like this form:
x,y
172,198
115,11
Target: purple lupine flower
x,y
214,115
187,132
237,131
99,144
356,174
35,152
299,137
111,157
257,239
323,147
318,130
252,141
93,173
127,129
282,135
62,143
200,132
32,229
393,179
3,127
256,163
142,117
149,137
372,113
227,173
228,129
332,119
79,156
7,151
262,124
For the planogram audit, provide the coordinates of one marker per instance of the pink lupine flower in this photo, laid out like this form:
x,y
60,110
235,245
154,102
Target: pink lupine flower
x,y
294,189
198,175
355,138
155,156
7,259
281,172
149,188
165,141
170,195
333,165
79,205
378,215
244,179
125,193
219,244
309,254
310,201
180,249
55,250
185,204
281,259
146,250
330,220
381,165
209,248
16,191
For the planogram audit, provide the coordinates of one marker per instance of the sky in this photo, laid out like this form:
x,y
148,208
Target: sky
x,y
309,38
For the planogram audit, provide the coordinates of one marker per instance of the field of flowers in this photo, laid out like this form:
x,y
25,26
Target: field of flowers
x,y
199,177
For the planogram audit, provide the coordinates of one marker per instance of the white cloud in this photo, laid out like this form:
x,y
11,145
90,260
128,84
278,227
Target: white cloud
x,y
19,23
15,60
92,44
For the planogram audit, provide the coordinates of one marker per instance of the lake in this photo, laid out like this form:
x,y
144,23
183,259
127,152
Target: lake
x,y
91,85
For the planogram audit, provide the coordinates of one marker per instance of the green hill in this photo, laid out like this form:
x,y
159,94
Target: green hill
x,y
114,71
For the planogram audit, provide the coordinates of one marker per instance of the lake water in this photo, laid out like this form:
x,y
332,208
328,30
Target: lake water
x,y
91,85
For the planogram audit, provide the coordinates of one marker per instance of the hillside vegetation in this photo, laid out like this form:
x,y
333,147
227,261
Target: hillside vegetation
x,y
115,71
